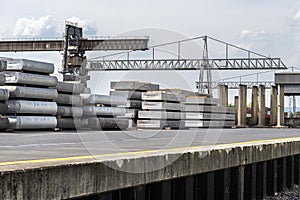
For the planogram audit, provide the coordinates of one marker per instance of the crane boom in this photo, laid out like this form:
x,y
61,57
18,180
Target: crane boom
x,y
126,43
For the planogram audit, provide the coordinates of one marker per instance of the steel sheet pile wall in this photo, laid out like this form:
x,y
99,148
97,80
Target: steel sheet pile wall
x,y
204,112
29,104
101,112
132,91
161,109
69,102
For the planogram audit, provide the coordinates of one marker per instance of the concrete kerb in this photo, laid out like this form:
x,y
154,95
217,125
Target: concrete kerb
x,y
190,161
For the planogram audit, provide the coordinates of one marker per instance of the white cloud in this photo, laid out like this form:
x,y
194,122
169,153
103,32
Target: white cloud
x,y
45,26
89,26
249,34
48,26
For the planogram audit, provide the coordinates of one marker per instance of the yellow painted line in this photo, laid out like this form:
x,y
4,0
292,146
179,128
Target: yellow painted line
x,y
143,152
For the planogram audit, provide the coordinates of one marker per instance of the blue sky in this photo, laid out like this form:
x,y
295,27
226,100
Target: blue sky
x,y
271,27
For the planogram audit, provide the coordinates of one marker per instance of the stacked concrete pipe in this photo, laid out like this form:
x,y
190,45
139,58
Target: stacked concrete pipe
x,y
4,95
27,97
69,112
101,111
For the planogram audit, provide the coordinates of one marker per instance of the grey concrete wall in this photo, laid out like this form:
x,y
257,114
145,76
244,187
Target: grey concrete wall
x,y
84,177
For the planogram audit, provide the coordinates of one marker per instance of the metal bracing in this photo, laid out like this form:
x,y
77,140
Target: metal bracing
x,y
251,61
187,64
235,84
205,69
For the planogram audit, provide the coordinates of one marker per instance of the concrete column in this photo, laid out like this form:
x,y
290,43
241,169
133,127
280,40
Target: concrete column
x,y
236,105
273,112
242,115
262,106
254,116
280,106
223,95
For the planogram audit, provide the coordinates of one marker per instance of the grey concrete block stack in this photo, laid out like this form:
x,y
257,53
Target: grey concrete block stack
x,y
161,109
132,91
69,103
30,102
4,95
101,112
204,112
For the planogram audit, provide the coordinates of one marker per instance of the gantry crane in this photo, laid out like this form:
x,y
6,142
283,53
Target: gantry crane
x,y
74,46
253,61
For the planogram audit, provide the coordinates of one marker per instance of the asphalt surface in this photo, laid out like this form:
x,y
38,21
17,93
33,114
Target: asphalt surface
x,y
19,146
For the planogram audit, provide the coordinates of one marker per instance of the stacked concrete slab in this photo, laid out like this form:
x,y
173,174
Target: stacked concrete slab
x,y
132,91
69,102
101,112
161,110
204,112
30,102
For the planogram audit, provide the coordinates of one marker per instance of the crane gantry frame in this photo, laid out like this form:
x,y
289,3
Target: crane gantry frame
x,y
253,61
74,46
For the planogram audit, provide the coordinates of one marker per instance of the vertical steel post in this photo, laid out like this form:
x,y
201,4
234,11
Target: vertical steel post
x,y
66,45
178,50
153,54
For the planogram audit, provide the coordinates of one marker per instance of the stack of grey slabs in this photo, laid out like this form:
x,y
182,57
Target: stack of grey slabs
x,y
28,94
178,91
133,105
69,103
133,86
161,110
204,112
132,90
78,79
75,78
102,111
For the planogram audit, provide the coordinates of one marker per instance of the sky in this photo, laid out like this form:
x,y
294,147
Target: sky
x,y
270,27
